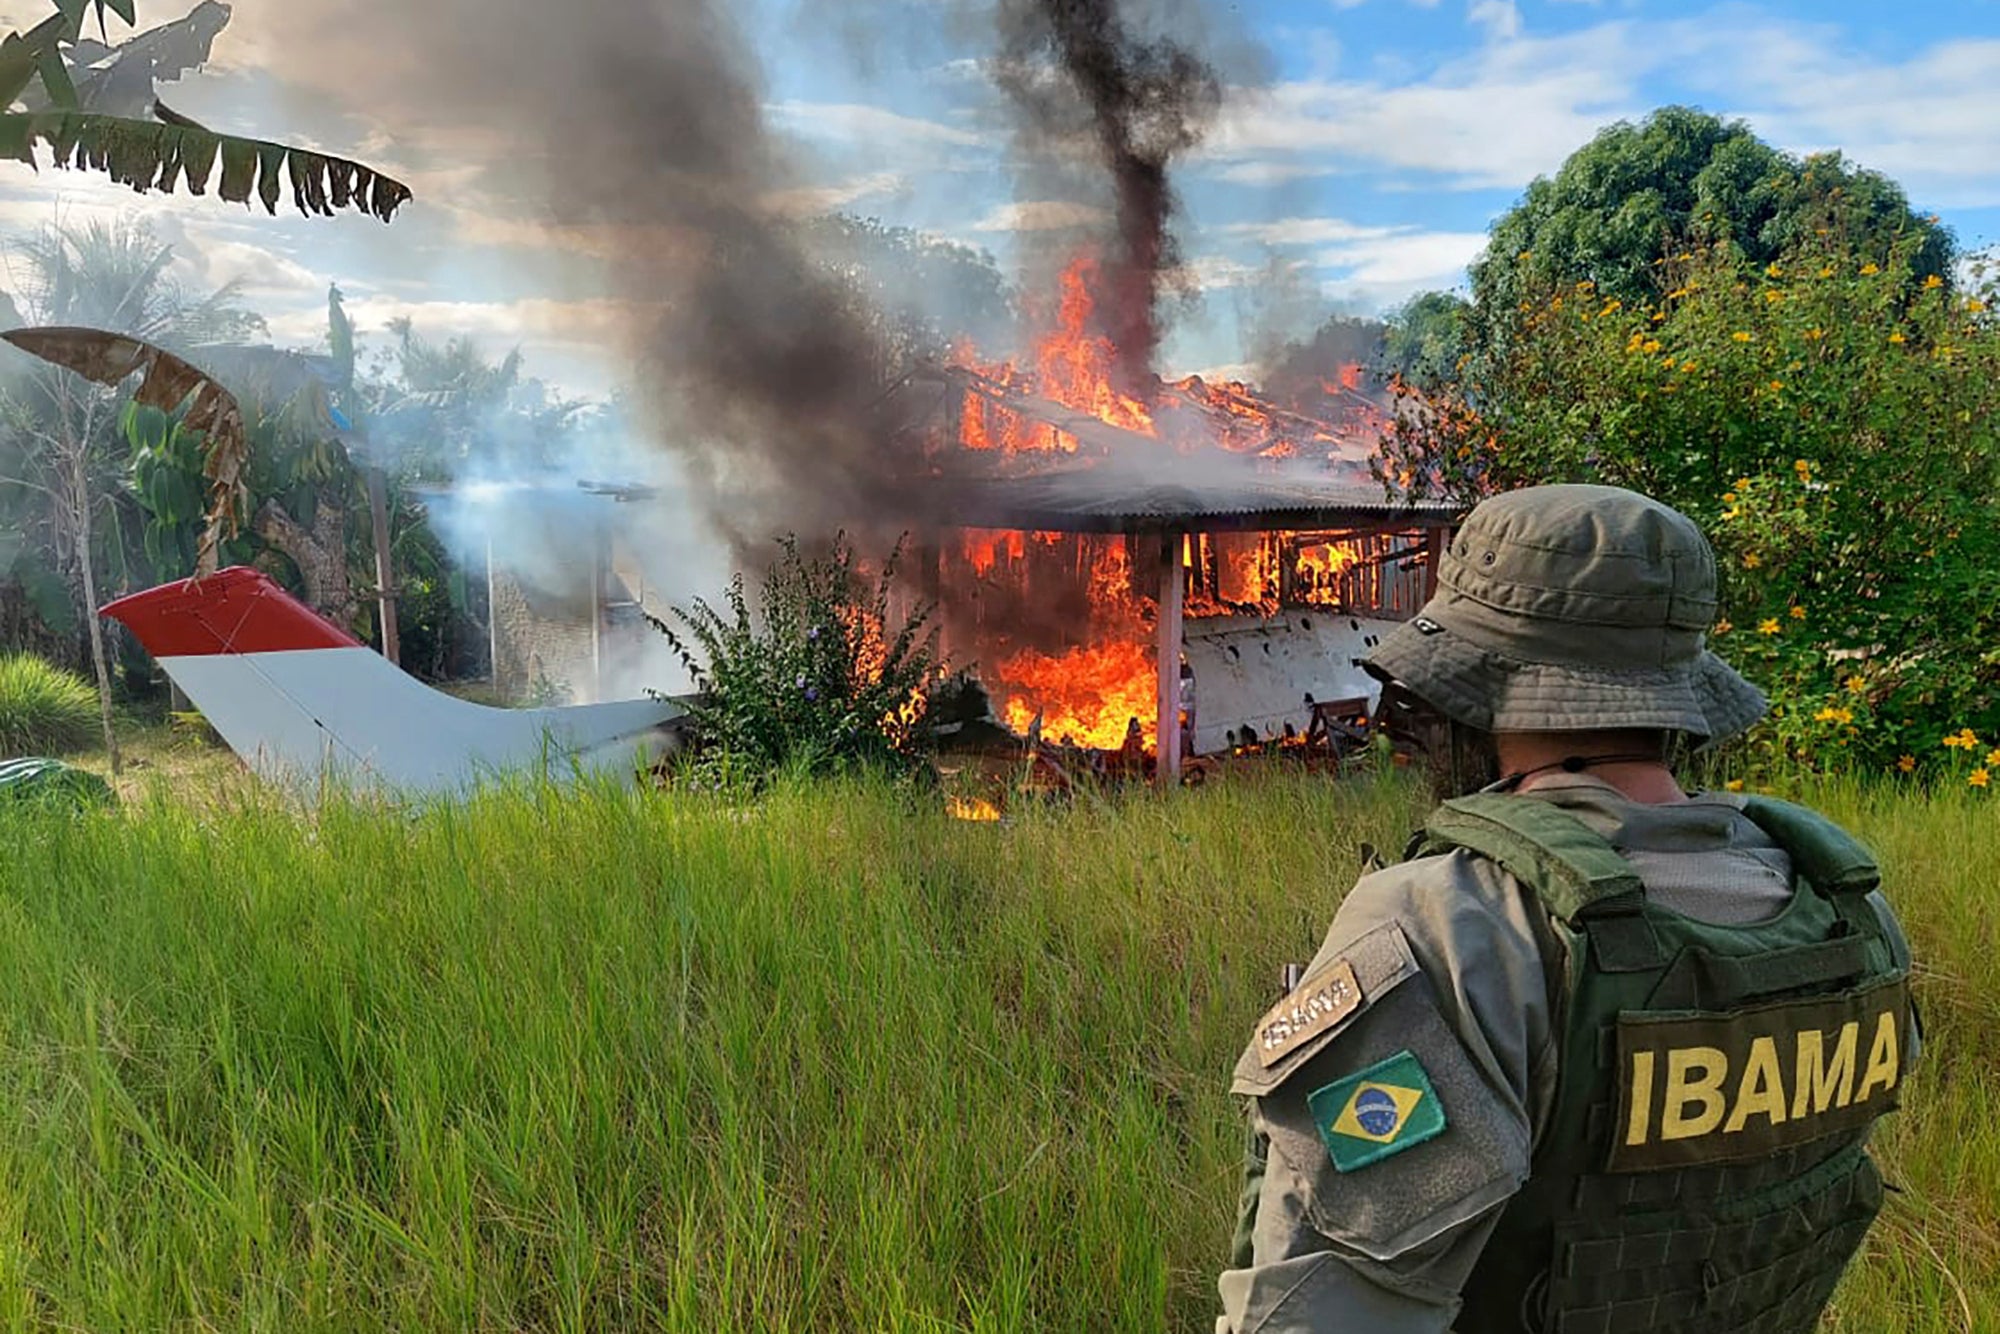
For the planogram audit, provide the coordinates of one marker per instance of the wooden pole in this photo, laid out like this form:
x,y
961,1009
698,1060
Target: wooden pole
x,y
385,578
1173,589
599,558
1435,540
492,618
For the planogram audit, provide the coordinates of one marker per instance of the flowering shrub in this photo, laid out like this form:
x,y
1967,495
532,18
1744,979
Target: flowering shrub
x,y
819,678
1832,420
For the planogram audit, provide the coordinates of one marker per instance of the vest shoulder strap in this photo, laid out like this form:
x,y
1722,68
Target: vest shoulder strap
x,y
1568,864
1833,860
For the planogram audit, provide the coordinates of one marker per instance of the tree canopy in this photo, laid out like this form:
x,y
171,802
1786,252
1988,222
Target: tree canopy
x,y
1680,178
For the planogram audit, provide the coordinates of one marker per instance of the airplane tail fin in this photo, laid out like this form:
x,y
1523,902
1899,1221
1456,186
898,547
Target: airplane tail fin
x,y
298,698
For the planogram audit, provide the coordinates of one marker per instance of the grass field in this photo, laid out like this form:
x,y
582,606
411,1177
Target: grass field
x,y
828,1062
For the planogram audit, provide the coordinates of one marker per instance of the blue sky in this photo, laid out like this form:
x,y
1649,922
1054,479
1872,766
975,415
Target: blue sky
x,y
1365,147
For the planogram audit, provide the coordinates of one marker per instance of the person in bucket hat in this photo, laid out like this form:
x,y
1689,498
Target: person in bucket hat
x,y
1600,1054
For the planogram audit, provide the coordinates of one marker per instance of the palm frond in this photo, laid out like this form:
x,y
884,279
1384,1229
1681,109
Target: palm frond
x,y
151,156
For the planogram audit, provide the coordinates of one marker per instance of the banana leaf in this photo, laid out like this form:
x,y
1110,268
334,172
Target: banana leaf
x,y
168,383
159,156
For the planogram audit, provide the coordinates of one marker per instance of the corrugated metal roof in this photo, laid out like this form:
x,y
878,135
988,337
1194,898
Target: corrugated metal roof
x,y
1211,495
1124,481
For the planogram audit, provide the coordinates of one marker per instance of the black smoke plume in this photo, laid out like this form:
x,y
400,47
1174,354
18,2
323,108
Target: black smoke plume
x,y
632,133
1078,68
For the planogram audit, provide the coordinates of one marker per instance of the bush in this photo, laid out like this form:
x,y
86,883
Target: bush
x,y
43,709
1832,421
818,680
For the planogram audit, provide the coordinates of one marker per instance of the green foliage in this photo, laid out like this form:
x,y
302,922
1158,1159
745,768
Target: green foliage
x,y
1682,176
43,709
1832,420
615,1060
1427,340
820,678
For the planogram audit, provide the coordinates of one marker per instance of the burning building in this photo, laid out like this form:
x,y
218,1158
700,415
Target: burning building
x,y
1190,570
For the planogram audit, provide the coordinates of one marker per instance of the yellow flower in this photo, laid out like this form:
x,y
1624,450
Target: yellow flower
x,y
1897,337
1740,336
1733,785
1963,739
1751,560
1772,270
1773,295
1827,715
1979,777
1993,759
1650,345
1826,272
1856,686
1975,305
1732,511
1677,294
1686,366
1611,307
1803,468
1907,763
1729,497
1798,613
1777,385
1768,626
1722,627
1742,482
1815,334
1870,269
1933,282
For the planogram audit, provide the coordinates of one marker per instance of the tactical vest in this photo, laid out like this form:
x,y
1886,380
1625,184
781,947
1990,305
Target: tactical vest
x,y
1704,1168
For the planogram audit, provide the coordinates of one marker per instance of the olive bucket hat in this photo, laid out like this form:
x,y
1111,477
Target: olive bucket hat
x,y
1570,609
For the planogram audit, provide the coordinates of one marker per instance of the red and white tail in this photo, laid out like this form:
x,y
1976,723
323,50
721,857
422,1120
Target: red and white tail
x,y
300,699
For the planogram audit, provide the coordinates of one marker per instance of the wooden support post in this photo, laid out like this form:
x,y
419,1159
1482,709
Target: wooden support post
x,y
1435,541
492,618
600,557
1173,589
385,574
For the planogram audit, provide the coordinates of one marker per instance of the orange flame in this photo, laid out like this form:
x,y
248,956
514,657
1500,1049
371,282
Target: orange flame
x,y
1090,692
971,808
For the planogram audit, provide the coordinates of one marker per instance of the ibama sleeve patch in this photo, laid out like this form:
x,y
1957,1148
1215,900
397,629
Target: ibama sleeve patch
x,y
1377,1113
1333,996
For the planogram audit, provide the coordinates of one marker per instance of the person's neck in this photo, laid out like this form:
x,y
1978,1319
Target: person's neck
x,y
1612,761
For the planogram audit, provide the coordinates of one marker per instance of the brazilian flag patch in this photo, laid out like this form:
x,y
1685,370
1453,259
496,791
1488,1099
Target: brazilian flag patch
x,y
1382,1111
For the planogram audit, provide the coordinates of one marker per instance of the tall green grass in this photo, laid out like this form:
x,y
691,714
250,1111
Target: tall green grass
x,y
827,1062
44,710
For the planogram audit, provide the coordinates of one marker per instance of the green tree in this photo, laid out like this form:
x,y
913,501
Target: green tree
x,y
1428,336
63,461
1679,178
917,291
1832,419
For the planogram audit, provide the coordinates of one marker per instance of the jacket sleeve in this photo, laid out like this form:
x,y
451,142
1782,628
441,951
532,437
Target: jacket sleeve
x,y
1386,1243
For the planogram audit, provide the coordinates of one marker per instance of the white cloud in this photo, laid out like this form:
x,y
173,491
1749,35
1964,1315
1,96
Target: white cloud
x,y
1407,257
810,199
1501,19
865,124
1272,173
1042,215
1306,231
1517,106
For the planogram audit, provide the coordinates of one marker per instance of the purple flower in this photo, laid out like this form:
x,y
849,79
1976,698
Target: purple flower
x,y
813,633
802,683
812,693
